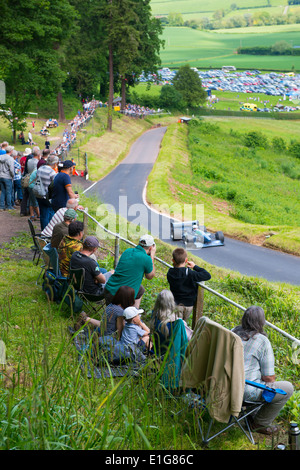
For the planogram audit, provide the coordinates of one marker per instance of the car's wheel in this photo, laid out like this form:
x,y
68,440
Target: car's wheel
x,y
219,236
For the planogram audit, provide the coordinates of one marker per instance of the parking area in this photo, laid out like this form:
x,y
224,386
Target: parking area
x,y
284,85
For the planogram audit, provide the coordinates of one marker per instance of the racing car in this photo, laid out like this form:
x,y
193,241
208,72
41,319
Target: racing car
x,y
194,235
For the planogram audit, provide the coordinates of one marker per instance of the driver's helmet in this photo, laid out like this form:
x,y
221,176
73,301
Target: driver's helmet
x,y
194,227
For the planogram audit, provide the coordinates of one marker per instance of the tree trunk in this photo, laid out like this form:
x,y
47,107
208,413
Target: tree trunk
x,y
61,112
123,95
111,89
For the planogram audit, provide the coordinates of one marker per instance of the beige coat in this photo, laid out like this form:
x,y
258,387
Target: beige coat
x,y
215,363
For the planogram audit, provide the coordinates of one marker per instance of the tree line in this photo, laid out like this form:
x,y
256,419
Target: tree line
x,y
279,48
219,20
86,47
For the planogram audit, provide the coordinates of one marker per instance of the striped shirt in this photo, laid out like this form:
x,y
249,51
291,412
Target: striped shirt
x,y
58,217
46,174
259,362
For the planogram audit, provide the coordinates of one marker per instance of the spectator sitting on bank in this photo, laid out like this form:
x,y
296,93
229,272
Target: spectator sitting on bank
x,y
134,263
183,278
259,367
62,228
70,243
59,217
113,320
135,331
95,278
162,321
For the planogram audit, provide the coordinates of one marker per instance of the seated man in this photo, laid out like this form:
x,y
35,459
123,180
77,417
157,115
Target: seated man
x,y
95,278
134,263
70,243
62,228
59,217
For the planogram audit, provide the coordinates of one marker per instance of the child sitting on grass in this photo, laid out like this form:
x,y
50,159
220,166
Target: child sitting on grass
x,y
135,331
183,279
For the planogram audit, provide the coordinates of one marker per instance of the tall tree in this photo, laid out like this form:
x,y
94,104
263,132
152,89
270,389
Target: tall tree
x,y
30,50
188,83
147,54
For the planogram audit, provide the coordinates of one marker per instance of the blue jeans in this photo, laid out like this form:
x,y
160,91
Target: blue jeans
x,y
6,186
17,191
46,212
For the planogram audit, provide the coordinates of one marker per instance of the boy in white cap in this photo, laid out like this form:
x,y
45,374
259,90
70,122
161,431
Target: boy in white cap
x,y
135,331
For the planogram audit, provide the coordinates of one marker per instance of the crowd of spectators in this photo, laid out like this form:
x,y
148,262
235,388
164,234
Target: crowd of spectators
x,y
136,110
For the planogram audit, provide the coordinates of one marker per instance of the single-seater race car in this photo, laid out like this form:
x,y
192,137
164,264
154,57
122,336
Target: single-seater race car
x,y
195,236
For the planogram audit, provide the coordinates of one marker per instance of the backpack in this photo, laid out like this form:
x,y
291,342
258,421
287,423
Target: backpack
x,y
25,181
39,189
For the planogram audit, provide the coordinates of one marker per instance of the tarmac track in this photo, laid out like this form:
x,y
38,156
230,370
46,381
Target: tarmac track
x,y
124,190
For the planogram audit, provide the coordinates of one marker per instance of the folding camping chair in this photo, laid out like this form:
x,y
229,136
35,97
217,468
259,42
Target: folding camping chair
x,y
41,243
214,371
91,303
35,247
54,282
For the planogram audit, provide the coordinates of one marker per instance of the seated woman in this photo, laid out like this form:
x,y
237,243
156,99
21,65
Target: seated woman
x,y
259,367
113,321
163,317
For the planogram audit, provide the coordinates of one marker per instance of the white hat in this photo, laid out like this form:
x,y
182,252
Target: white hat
x,y
131,312
28,151
147,240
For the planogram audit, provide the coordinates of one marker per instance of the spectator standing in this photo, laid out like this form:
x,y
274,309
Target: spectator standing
x,y
62,186
7,173
17,195
183,279
46,174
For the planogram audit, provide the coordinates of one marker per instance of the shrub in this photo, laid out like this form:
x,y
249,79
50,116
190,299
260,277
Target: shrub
x,y
295,149
255,139
278,144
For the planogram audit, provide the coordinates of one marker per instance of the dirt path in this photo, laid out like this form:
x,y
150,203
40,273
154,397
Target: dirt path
x,y
12,225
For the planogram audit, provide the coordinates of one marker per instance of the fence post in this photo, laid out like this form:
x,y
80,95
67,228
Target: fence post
x,y
117,250
85,222
198,307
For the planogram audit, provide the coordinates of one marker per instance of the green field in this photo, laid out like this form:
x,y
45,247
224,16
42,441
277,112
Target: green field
x,y
202,7
214,49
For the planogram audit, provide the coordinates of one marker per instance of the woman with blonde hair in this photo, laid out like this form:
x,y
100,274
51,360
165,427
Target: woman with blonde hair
x,y
164,315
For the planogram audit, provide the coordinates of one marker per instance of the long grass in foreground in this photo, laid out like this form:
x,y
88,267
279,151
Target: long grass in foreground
x,y
48,402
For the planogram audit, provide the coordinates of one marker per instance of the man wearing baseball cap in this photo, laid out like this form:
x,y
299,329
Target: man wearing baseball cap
x,y
62,186
134,264
62,228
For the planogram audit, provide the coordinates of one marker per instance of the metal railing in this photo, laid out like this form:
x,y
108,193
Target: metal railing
x,y
201,285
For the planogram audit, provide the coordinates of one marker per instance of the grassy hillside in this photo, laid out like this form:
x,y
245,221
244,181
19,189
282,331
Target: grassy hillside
x,y
211,165
215,49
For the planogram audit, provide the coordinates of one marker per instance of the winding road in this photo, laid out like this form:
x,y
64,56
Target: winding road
x,y
124,188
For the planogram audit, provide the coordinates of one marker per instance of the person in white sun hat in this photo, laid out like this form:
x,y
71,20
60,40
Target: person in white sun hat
x,y
135,331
